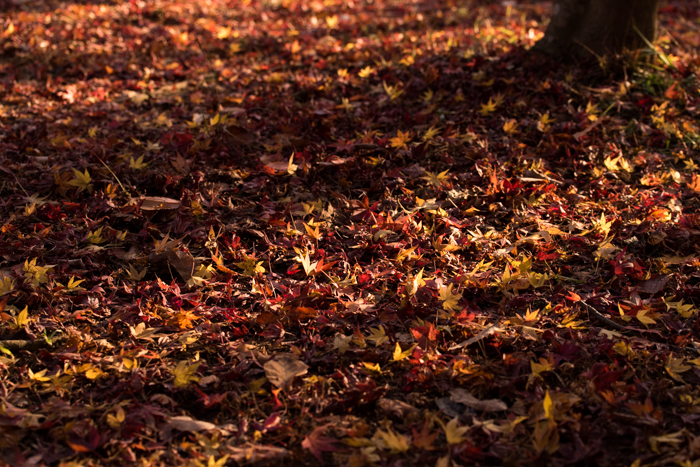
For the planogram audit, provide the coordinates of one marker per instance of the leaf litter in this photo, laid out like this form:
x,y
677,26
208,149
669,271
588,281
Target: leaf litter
x,y
353,233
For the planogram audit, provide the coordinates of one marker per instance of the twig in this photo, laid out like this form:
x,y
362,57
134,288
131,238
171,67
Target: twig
x,y
18,344
113,175
618,327
602,318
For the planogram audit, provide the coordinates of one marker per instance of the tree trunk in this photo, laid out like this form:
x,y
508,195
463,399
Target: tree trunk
x,y
601,27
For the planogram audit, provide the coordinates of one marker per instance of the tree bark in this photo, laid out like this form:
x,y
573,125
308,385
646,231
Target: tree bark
x,y
599,27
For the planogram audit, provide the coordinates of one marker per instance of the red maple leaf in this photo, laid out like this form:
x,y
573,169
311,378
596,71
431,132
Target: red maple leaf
x,y
317,444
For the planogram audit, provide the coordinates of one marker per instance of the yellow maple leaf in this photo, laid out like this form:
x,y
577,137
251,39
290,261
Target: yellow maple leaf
x,y
544,121
95,237
400,140
686,311
392,91
377,335
548,406
510,126
643,318
402,354
184,373
305,260
40,376
449,300
606,250
392,441
74,285
430,133
436,179
36,275
250,266
453,432
366,72
81,181
413,283
137,164
135,274
592,111
489,107
201,275
7,285
675,366
22,318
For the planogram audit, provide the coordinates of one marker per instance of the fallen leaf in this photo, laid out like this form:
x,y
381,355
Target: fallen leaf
x,y
463,396
282,370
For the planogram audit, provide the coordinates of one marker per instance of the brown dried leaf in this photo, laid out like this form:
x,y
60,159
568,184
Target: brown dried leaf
x,y
462,396
158,203
282,370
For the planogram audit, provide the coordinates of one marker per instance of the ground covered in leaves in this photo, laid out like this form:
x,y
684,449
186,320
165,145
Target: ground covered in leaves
x,y
344,232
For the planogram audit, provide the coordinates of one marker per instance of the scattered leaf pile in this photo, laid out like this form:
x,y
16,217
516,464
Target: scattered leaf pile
x,y
344,232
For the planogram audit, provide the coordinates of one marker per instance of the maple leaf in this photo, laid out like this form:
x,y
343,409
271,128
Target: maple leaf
x,y
686,311
536,279
592,111
141,332
643,318
544,122
413,283
606,250
201,275
137,164
7,284
366,72
184,373
424,439
305,260
377,335
40,376
36,275
436,179
488,108
161,246
430,133
341,342
135,274
548,406
291,166
400,355
74,285
510,126
449,300
282,370
392,91
95,237
540,367
22,319
453,432
675,366
400,140
317,444
392,441
250,266
314,233
81,181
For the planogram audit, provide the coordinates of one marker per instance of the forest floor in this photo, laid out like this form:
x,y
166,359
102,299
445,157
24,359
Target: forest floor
x,y
344,232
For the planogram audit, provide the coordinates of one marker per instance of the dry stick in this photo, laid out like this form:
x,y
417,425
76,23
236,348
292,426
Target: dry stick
x,y
602,318
113,175
618,327
18,344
